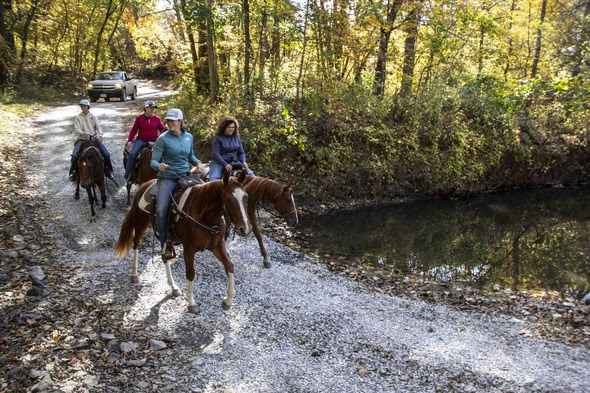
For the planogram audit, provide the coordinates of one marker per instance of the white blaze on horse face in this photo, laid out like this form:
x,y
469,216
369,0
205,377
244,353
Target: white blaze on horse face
x,y
295,210
240,196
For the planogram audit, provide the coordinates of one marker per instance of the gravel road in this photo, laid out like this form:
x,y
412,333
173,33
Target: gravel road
x,y
293,328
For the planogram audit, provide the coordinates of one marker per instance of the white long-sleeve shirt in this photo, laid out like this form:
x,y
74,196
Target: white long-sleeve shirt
x,y
86,124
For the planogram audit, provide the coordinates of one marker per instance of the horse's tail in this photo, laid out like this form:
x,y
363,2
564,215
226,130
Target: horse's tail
x,y
123,244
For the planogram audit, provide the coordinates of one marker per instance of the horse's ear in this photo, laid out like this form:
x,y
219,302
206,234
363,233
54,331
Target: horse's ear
x,y
287,189
225,177
242,177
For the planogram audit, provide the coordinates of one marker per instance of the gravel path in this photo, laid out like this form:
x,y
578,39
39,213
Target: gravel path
x,y
293,328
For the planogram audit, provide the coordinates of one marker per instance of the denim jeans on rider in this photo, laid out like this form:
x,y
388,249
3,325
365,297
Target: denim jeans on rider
x,y
216,171
135,149
165,188
102,148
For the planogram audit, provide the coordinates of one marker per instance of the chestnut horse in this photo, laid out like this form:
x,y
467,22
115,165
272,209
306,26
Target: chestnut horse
x,y
201,226
260,189
144,172
91,173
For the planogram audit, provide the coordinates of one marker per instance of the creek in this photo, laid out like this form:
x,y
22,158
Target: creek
x,y
534,239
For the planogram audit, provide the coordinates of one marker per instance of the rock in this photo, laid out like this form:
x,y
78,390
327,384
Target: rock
x,y
113,346
113,357
16,373
169,377
34,374
198,362
35,292
128,346
18,238
586,299
405,378
107,336
44,385
142,385
157,345
137,362
37,274
557,317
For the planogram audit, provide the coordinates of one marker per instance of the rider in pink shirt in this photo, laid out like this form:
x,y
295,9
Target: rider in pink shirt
x,y
147,126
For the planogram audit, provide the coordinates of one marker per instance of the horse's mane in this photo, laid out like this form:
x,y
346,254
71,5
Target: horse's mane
x,y
261,188
203,198
90,149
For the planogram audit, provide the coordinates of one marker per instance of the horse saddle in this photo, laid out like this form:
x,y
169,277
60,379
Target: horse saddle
x,y
147,147
147,203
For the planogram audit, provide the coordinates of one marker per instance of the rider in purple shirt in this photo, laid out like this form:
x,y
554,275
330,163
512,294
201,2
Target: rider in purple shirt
x,y
227,149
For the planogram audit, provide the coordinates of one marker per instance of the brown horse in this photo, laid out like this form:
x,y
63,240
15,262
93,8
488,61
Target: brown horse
x,y
144,172
261,189
91,173
200,227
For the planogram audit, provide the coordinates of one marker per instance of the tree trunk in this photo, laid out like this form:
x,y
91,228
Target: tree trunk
x,y
410,51
510,42
384,36
191,41
538,43
6,42
25,38
247,45
213,71
179,19
298,85
584,36
107,16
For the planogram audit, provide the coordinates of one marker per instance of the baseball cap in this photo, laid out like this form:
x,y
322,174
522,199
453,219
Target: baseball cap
x,y
85,102
173,114
150,104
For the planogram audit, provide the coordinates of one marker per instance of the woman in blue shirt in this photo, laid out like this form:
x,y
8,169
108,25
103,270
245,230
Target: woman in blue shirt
x,y
227,149
173,152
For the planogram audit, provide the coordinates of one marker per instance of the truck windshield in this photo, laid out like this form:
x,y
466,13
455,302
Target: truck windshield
x,y
109,75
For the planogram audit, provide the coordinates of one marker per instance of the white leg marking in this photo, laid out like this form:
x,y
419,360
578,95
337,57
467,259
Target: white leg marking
x,y
295,209
134,263
239,194
189,294
230,290
169,277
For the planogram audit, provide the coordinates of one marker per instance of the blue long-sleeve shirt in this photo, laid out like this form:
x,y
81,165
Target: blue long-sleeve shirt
x,y
174,151
228,149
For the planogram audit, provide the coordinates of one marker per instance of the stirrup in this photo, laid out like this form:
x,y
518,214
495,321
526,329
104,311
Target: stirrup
x,y
168,252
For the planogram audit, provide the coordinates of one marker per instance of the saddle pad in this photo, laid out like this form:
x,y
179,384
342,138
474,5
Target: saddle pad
x,y
145,203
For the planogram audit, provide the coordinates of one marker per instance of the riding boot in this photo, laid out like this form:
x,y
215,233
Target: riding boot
x,y
168,252
72,172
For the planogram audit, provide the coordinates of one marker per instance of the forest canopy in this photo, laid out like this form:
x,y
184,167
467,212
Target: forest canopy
x,y
346,99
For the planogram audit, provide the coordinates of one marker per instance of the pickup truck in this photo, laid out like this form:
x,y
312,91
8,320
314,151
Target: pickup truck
x,y
111,84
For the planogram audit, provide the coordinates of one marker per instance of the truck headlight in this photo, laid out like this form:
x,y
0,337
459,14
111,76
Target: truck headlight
x,y
119,85
90,86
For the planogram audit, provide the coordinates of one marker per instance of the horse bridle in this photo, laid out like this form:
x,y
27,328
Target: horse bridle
x,y
92,179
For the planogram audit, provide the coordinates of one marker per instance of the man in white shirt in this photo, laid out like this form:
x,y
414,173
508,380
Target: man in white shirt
x,y
86,125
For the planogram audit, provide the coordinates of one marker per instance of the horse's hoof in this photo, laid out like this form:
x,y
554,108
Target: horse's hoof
x,y
266,264
176,292
192,309
104,205
93,214
76,196
134,279
225,305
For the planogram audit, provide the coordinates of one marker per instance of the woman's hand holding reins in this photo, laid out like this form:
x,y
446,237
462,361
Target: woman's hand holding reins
x,y
162,167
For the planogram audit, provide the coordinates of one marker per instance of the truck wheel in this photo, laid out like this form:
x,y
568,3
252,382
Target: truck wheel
x,y
134,94
124,95
92,99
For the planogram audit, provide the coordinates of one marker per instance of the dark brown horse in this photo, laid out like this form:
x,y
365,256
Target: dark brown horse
x,y
201,227
91,173
143,173
261,189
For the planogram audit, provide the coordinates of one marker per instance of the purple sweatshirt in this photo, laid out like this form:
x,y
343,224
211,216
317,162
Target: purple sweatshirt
x,y
228,149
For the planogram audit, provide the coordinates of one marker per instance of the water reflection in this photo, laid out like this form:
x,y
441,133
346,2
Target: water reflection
x,y
533,239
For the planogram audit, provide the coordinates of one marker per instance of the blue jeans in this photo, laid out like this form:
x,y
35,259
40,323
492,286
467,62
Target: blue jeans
x,y
165,189
135,149
102,148
216,171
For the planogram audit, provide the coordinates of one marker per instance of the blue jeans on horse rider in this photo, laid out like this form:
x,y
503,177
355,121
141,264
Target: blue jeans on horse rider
x,y
165,189
216,170
135,149
105,153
